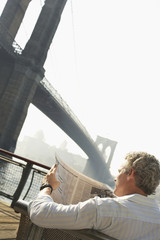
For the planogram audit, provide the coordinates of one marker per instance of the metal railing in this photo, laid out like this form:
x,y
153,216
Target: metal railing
x,y
19,177
48,86
8,42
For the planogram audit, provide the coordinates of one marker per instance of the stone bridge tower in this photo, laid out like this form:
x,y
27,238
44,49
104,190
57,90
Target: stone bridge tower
x,y
92,168
107,144
21,73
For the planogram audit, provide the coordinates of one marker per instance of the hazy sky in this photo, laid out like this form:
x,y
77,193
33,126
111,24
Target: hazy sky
x,y
105,63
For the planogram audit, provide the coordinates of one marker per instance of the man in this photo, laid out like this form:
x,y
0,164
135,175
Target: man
x,y
131,215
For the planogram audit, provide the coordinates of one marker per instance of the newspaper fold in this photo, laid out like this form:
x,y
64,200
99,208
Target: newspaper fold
x,y
76,187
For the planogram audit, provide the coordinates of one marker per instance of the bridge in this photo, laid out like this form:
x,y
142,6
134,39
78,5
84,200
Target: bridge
x,y
22,81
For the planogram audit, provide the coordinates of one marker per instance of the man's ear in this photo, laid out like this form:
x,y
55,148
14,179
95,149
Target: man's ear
x,y
131,172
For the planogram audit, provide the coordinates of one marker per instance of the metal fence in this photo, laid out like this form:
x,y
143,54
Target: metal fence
x,y
19,177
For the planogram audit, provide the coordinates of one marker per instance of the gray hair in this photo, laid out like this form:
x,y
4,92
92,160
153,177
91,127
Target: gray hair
x,y
147,170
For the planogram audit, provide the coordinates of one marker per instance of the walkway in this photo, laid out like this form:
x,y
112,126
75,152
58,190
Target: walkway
x,y
9,221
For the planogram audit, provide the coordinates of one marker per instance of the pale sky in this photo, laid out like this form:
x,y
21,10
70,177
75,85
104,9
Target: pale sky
x,y
105,63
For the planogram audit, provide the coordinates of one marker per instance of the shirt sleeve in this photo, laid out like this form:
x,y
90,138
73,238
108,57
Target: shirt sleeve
x,y
44,212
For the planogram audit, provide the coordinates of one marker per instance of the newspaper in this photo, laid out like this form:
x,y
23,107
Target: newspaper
x,y
76,187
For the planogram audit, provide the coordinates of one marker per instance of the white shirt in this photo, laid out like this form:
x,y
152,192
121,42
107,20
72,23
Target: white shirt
x,y
131,217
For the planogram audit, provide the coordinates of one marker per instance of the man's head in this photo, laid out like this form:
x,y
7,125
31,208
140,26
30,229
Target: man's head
x,y
140,173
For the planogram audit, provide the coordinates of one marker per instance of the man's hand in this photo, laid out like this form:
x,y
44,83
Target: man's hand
x,y
51,179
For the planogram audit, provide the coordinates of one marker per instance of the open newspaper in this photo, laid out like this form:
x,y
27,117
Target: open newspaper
x,y
76,187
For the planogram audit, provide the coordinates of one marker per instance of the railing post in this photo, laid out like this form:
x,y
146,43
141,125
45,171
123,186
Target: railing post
x,y
24,177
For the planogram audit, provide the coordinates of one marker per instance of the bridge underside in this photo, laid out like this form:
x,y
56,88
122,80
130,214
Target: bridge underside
x,y
49,105
96,165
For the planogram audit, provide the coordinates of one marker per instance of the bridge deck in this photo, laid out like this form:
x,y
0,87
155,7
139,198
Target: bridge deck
x,y
9,222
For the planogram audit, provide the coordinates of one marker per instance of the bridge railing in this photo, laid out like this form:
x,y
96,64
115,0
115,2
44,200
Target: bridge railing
x,y
65,106
19,177
8,42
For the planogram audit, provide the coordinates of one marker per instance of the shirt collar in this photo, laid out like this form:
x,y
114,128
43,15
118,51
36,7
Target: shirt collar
x,y
145,201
